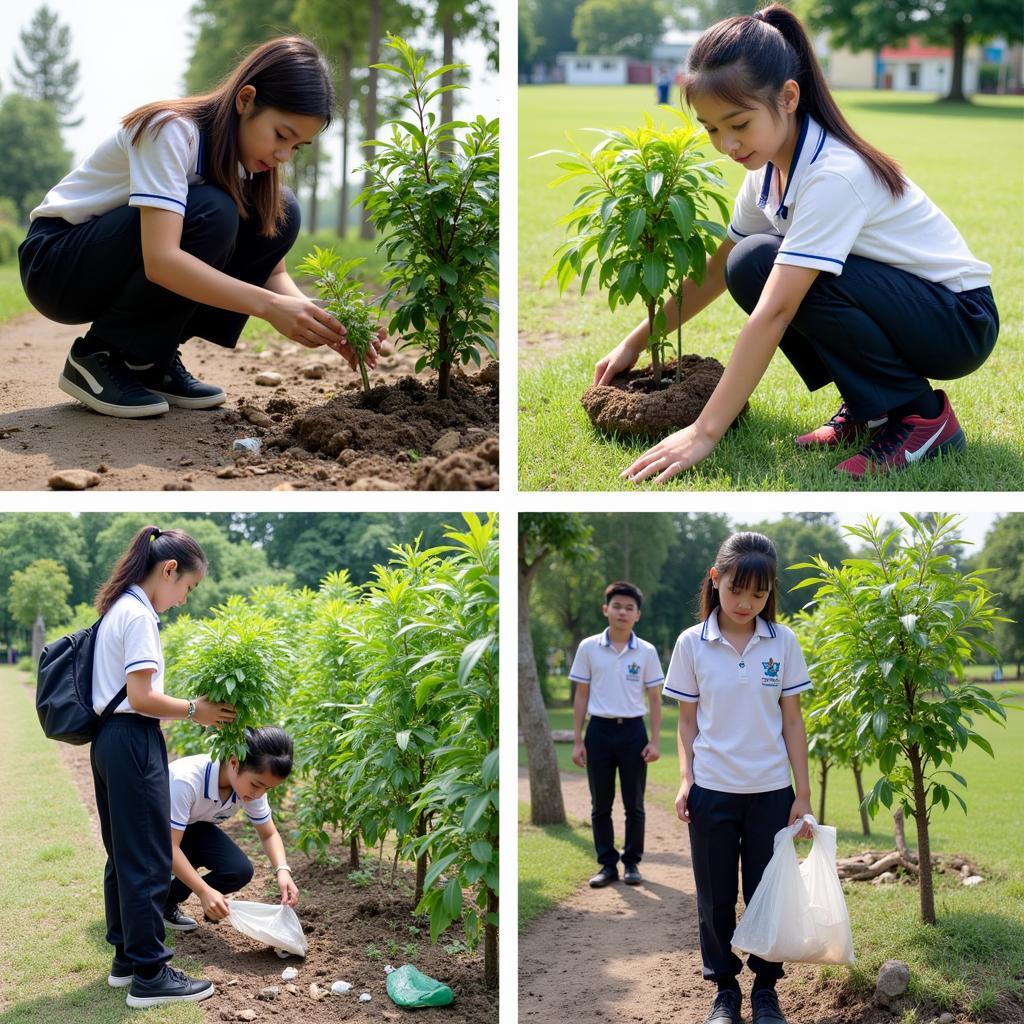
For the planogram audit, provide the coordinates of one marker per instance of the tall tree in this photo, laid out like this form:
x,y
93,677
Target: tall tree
x,y
1004,554
461,20
552,28
872,24
30,127
540,536
38,594
628,27
47,72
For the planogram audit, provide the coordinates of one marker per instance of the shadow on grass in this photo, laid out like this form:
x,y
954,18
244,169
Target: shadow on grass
x,y
95,1002
532,901
938,108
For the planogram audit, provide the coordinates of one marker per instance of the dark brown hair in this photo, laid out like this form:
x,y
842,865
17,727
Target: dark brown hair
x,y
267,750
149,547
748,558
289,74
623,589
750,57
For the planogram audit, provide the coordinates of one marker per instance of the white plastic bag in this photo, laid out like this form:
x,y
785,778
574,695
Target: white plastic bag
x,y
797,913
276,924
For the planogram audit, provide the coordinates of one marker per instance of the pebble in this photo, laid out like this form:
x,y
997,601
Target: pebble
x,y
268,379
973,880
245,1015
339,988
316,993
292,989
365,997
73,480
182,486
315,372
257,417
102,468
288,973
375,483
947,1018
446,443
229,473
270,992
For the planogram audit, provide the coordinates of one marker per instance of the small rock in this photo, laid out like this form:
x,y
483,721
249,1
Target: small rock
x,y
233,981
292,989
245,1015
375,483
446,443
973,880
270,992
364,997
102,468
288,973
181,486
257,417
73,480
185,462
284,487
347,456
228,473
268,379
885,878
893,978
189,477
316,993
315,372
339,988
320,473
946,1018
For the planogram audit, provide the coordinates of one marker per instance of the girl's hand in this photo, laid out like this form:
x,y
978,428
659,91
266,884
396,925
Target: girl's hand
x,y
619,360
682,810
289,891
579,755
215,906
349,354
801,806
678,451
212,712
302,320
650,752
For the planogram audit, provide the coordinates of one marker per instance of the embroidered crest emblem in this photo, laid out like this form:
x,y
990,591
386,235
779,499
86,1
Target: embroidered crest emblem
x,y
633,669
771,668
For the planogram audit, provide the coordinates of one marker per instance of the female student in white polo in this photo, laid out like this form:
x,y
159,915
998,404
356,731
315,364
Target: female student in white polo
x,y
204,794
129,760
737,676
839,259
177,227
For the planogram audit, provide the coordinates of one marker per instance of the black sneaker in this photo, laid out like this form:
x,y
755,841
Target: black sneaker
x,y
608,874
178,386
765,1004
726,1008
169,986
177,921
631,875
120,975
103,383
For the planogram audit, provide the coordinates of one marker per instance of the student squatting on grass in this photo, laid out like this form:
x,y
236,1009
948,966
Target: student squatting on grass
x,y
177,227
840,260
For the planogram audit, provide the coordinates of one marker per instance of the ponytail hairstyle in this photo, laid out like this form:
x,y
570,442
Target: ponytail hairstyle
x,y
750,57
149,547
749,558
267,750
289,74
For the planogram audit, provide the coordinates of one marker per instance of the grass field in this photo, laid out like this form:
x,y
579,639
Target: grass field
x,y
562,337
12,296
53,956
976,950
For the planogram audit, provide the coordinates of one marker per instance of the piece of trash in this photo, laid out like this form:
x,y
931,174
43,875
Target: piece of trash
x,y
247,444
388,968
339,988
282,953
289,973
365,997
411,988
272,923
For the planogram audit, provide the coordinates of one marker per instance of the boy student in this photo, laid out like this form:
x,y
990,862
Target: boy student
x,y
611,671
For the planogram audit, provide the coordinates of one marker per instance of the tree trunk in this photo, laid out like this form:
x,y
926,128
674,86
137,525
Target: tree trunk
x,y
865,825
448,78
370,121
655,347
421,860
314,185
345,103
823,781
546,805
38,638
491,944
679,338
353,851
924,853
956,83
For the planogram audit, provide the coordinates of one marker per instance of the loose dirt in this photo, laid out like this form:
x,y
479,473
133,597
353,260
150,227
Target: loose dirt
x,y
393,433
624,954
353,928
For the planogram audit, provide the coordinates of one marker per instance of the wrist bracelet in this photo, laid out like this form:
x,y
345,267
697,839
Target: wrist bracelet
x,y
282,867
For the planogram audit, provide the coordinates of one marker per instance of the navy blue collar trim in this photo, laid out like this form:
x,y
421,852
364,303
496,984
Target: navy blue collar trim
x,y
201,156
783,210
821,143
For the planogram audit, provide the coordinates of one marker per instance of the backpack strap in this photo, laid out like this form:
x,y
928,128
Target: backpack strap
x,y
108,711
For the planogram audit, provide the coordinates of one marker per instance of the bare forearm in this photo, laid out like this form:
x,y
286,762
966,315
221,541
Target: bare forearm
x,y
685,735
147,701
187,275
579,711
182,869
654,694
273,846
795,736
281,283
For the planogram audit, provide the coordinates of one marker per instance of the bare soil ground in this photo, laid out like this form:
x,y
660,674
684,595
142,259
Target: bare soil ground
x,y
354,929
401,438
631,954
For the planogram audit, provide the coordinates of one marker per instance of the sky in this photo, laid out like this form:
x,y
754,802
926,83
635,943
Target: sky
x,y
134,53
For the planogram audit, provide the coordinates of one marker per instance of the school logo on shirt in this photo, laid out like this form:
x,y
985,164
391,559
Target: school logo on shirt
x,y
771,672
633,669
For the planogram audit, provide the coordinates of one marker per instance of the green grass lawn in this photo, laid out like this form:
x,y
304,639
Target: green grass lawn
x,y
12,296
53,956
938,148
976,950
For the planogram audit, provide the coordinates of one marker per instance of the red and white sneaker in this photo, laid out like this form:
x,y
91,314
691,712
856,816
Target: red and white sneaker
x,y
840,429
901,443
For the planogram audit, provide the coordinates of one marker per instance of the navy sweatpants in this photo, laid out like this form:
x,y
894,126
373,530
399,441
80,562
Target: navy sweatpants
x,y
206,845
613,747
93,272
727,830
129,770
875,330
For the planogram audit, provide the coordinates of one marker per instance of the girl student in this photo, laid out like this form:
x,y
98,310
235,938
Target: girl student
x,y
840,260
738,675
129,760
177,227
205,793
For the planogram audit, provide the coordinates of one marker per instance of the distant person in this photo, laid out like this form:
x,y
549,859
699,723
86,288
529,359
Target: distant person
x,y
612,672
738,675
663,82
176,227
840,260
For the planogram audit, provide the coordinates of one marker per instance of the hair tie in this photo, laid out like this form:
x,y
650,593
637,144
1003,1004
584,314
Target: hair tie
x,y
153,536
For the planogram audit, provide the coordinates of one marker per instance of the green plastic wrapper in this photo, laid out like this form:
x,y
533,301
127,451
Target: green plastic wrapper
x,y
411,988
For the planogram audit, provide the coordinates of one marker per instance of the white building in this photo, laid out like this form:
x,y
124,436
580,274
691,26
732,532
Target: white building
x,y
919,68
593,69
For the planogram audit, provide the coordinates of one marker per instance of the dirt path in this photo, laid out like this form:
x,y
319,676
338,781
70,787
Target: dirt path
x,y
43,431
631,954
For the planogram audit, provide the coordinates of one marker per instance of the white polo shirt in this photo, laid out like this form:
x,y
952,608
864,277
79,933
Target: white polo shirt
x,y
157,172
195,795
617,679
739,746
833,206
128,640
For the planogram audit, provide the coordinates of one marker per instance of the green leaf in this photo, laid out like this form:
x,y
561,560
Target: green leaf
x,y
682,213
629,280
653,180
635,226
447,273
438,868
654,273
489,770
482,850
475,807
402,739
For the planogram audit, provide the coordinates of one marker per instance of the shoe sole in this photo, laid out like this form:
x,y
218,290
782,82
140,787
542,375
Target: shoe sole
x,y
181,927
633,881
956,443
141,1002
125,412
209,402
115,982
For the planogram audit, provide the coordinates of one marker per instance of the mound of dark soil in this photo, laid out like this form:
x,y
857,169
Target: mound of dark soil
x,y
633,405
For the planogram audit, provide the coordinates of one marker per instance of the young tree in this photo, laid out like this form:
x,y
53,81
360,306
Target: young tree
x,y
47,72
898,626
630,27
1004,554
40,591
30,126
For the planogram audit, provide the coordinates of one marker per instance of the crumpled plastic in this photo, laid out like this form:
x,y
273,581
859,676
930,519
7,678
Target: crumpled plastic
x,y
411,988
276,924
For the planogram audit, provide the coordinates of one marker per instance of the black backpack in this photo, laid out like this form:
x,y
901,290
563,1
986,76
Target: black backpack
x,y
64,689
